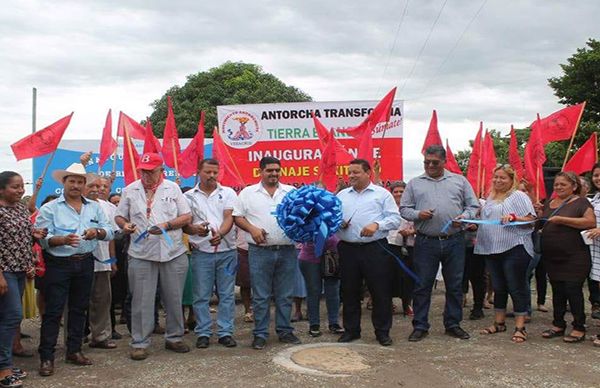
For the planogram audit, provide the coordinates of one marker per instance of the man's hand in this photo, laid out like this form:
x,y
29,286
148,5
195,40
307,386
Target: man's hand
x,y
426,214
198,229
369,230
216,237
129,228
455,223
90,234
113,270
71,239
258,235
85,158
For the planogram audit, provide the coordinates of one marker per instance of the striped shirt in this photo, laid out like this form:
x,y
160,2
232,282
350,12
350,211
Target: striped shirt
x,y
494,239
595,247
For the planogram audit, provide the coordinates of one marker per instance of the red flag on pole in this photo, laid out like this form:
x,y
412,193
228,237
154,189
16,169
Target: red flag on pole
x,y
433,135
534,159
364,131
451,163
43,141
194,153
585,157
229,175
151,143
108,145
488,162
131,127
474,167
170,146
513,155
561,124
328,165
342,156
131,159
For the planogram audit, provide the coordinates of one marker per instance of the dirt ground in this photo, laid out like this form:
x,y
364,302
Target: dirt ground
x,y
438,361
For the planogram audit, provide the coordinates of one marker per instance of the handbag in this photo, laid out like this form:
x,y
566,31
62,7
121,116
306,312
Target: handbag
x,y
330,264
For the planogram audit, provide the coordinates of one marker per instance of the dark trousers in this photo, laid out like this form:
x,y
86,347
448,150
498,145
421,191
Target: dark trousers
x,y
563,291
373,264
474,273
509,277
403,284
65,280
541,282
594,288
429,253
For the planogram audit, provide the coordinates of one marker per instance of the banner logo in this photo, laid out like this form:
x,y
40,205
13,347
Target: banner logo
x,y
240,129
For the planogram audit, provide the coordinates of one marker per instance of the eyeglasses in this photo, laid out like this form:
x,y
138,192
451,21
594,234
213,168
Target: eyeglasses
x,y
432,162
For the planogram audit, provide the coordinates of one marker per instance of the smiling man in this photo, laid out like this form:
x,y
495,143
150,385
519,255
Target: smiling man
x,y
75,224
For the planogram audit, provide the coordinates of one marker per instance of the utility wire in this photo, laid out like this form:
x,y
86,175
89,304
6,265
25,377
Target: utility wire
x,y
387,62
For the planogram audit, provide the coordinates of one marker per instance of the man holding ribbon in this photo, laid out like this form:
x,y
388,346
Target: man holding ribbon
x,y
272,255
369,213
75,224
154,210
214,253
436,201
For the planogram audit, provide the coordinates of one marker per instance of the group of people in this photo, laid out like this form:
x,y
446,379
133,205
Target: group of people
x,y
391,241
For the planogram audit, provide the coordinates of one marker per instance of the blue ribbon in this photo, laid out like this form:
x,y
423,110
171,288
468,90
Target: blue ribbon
x,y
146,233
486,222
401,264
310,214
112,260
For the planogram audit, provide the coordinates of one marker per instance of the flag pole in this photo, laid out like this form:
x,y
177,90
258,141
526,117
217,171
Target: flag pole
x,y
479,172
537,185
175,158
128,141
573,137
114,163
45,170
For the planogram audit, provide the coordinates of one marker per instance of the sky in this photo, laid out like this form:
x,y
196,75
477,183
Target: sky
x,y
473,60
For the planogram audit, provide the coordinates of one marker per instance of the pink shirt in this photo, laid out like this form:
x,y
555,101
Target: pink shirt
x,y
307,252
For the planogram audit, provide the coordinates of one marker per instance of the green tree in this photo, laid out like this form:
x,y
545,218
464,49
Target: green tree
x,y
231,83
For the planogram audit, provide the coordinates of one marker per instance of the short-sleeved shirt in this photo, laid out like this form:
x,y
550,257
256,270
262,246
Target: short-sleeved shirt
x,y
258,207
102,251
15,239
209,208
494,239
168,204
307,249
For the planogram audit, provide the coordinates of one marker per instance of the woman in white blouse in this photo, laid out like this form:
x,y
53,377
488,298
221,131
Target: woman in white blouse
x,y
594,234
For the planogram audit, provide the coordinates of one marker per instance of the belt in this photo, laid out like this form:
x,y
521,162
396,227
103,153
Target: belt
x,y
79,256
362,243
272,247
440,237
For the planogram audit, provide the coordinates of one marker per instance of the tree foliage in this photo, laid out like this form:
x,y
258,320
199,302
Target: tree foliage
x,y
231,83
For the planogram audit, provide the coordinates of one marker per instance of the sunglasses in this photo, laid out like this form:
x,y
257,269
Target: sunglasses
x,y
432,162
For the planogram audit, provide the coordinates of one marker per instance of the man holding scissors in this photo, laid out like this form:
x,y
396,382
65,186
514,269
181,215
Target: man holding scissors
x,y
214,253
154,210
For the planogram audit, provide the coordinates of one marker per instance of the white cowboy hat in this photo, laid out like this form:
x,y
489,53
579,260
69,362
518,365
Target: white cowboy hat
x,y
76,169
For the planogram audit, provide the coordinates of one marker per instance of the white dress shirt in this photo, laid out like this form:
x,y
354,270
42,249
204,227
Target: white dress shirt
x,y
168,204
102,251
258,207
209,208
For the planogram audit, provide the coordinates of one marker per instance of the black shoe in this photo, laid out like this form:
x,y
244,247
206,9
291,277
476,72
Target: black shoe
x,y
348,337
595,312
289,338
227,341
457,332
336,329
417,335
116,336
476,315
259,343
384,340
202,342
314,331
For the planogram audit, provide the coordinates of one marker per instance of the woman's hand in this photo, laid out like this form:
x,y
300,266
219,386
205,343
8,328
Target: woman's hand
x,y
593,233
3,285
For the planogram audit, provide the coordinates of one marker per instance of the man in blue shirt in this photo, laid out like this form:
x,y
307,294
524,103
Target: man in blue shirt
x,y
74,225
369,213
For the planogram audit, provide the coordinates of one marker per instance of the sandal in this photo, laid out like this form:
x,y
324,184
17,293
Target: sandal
x,y
11,381
106,344
551,333
519,335
597,341
249,317
497,327
573,339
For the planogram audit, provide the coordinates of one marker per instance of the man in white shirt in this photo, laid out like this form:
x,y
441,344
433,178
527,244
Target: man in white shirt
x,y
272,256
369,213
153,210
214,253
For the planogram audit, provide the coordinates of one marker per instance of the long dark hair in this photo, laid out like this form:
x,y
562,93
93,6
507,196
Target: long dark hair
x,y
5,177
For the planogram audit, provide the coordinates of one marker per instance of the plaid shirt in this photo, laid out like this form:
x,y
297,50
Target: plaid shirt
x,y
595,247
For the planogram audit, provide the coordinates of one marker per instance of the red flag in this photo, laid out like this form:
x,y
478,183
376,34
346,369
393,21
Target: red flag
x,y
131,159
534,159
513,155
151,143
585,157
364,131
194,153
561,124
474,167
328,165
451,163
228,172
130,126
433,135
108,145
342,156
488,162
170,146
43,141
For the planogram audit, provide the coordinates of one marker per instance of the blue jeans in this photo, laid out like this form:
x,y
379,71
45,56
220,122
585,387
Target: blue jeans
x,y
429,253
509,276
272,274
314,286
209,269
11,312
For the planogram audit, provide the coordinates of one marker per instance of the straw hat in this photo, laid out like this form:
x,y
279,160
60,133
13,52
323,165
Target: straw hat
x,y
76,169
